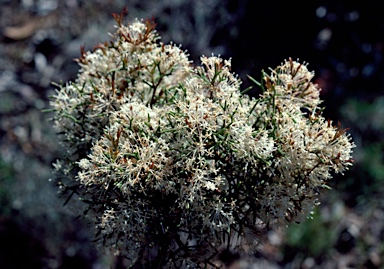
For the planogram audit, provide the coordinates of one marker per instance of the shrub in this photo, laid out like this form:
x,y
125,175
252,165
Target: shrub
x,y
176,163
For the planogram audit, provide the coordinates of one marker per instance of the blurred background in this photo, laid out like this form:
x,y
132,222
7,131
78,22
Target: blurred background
x,y
343,42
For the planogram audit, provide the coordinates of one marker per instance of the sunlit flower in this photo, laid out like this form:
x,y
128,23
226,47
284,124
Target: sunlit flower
x,y
173,160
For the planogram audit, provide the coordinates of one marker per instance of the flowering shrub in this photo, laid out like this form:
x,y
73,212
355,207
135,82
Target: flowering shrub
x,y
175,163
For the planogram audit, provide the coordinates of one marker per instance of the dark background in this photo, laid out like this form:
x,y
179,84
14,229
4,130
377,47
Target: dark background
x,y
342,41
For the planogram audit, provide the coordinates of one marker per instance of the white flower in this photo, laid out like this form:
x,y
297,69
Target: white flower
x,y
163,149
84,164
210,186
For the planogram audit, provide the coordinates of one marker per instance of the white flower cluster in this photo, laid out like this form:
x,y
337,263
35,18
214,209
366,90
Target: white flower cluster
x,y
176,163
